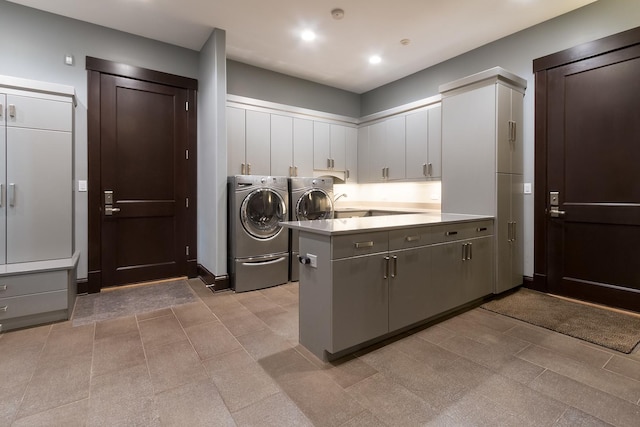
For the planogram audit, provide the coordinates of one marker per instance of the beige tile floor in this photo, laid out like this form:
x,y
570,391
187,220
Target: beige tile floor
x,y
233,359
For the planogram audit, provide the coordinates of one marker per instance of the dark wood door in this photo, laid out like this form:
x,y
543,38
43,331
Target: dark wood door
x,y
142,162
142,176
593,162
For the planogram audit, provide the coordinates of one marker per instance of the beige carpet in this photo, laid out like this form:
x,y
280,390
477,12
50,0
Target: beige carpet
x,y
608,328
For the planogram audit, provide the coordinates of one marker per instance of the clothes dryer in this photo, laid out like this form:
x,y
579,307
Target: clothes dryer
x,y
257,243
311,199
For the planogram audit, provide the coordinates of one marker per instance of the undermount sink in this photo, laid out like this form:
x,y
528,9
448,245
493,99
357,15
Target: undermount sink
x,y
359,213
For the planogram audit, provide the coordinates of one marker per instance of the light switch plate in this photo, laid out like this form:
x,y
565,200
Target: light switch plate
x,y
82,185
527,188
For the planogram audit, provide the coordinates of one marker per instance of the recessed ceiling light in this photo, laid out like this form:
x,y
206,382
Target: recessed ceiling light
x,y
374,59
308,35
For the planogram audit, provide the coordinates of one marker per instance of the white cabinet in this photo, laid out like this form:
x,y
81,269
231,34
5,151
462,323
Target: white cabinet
x,y
281,145
37,260
236,136
351,155
248,141
329,146
482,160
302,147
424,143
387,150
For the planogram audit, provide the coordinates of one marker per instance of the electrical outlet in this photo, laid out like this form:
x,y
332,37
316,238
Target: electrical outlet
x,y
313,260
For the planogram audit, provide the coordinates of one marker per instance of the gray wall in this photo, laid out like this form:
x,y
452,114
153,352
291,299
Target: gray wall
x,y
515,53
253,82
34,45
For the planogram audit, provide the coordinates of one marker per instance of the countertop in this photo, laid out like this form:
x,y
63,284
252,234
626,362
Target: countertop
x,y
379,223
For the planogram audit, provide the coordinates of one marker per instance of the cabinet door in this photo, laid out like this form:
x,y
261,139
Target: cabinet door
x,y
236,135
412,295
377,151
321,146
468,152
434,155
258,143
503,138
417,142
395,148
3,182
351,154
478,271
360,300
503,227
39,113
517,216
337,147
517,147
364,156
447,275
303,147
281,145
39,212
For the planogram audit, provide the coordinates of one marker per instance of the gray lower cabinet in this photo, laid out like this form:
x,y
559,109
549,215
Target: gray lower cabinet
x,y
369,285
360,307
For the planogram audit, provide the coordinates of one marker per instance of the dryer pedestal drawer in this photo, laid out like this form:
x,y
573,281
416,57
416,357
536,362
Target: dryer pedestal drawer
x,y
25,284
26,305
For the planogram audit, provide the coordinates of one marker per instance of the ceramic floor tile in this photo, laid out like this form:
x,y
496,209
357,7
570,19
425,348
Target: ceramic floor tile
x,y
240,381
17,364
574,417
160,331
174,364
349,371
30,337
624,366
193,314
123,398
194,404
430,354
601,379
241,322
473,409
281,295
154,314
274,411
390,402
365,418
261,306
117,352
10,399
490,319
63,343
284,324
434,334
592,401
471,328
562,344
263,343
71,415
121,325
57,382
211,339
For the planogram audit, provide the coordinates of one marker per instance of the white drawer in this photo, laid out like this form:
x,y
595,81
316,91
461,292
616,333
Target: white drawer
x,y
410,238
462,231
27,305
360,244
32,283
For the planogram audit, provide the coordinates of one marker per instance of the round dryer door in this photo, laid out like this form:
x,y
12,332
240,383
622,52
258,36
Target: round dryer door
x,y
314,204
261,211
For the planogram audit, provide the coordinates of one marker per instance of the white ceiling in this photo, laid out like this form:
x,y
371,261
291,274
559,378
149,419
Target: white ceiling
x,y
265,33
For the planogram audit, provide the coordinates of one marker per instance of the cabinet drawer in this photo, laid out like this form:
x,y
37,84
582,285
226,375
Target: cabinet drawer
x,y
410,238
38,113
27,305
462,231
24,284
360,244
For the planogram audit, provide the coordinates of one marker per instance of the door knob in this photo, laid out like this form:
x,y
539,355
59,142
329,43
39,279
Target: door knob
x,y
109,210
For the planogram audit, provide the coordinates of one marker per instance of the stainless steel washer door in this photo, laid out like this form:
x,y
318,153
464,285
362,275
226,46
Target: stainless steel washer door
x,y
314,204
261,211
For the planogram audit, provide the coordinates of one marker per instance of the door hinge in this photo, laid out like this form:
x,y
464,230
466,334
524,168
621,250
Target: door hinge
x,y
186,106
186,154
187,202
187,250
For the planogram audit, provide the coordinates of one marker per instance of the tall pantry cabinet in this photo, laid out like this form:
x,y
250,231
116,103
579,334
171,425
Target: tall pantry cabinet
x,y
482,160
37,260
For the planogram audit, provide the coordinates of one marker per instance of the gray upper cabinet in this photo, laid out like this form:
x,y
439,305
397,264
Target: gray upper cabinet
x,y
329,146
387,150
364,170
249,142
282,146
302,147
482,160
236,136
424,143
351,155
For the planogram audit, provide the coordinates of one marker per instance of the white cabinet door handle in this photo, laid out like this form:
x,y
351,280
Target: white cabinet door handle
x,y
12,194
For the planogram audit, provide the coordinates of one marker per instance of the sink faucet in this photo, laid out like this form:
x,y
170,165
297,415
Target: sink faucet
x,y
339,195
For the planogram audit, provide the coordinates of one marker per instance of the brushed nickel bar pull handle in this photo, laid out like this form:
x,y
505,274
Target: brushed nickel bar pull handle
x,y
430,169
480,229
347,174
386,268
242,169
12,111
4,308
295,170
424,169
12,194
515,232
1,194
383,172
412,238
450,233
470,251
3,288
248,168
464,252
394,272
361,245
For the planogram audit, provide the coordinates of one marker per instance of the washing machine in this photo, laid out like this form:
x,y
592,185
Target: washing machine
x,y
310,199
258,245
